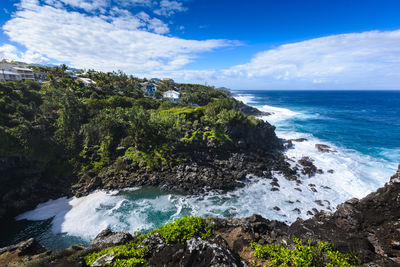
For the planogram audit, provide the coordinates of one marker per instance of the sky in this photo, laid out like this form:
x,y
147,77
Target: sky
x,y
252,44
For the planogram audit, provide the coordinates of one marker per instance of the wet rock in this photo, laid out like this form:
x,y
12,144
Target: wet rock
x,y
297,210
395,179
274,184
298,189
274,189
276,208
288,144
313,189
319,202
299,140
324,148
108,238
330,171
308,166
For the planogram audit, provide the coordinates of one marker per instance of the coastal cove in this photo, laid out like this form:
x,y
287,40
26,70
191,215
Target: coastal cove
x,y
361,127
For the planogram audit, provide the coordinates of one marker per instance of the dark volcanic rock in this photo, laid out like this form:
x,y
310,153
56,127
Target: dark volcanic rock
x,y
24,251
107,238
26,182
249,110
299,140
324,148
308,166
195,252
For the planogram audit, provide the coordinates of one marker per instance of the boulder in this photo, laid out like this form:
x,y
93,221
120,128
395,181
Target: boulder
x,y
108,238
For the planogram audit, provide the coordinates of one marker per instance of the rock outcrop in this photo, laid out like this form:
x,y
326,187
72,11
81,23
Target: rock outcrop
x,y
108,238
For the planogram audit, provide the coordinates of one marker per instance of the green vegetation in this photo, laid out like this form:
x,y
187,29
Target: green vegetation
x,y
323,254
80,129
176,232
180,230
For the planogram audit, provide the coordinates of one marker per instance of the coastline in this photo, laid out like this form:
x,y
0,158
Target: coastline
x,y
316,194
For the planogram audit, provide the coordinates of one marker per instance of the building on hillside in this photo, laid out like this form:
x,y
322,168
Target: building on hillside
x,y
13,68
40,75
149,88
86,81
171,95
71,74
6,75
169,81
26,74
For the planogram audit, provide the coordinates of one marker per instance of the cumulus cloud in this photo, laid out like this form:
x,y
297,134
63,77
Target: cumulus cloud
x,y
370,57
368,60
10,52
169,8
119,40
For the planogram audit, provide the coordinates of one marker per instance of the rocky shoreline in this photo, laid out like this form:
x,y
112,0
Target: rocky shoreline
x,y
369,228
207,164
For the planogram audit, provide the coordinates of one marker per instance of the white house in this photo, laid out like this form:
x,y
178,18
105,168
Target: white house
x,y
86,81
171,95
12,71
6,75
26,74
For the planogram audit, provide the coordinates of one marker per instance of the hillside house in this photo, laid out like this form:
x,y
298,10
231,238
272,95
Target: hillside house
x,y
26,74
149,88
9,69
86,81
6,75
171,95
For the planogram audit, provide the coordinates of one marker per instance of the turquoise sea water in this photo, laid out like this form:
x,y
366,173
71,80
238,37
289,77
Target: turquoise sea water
x,y
363,127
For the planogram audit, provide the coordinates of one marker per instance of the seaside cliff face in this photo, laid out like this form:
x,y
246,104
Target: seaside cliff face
x,y
369,228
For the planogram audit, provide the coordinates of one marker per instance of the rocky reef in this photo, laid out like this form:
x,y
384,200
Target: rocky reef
x,y
368,228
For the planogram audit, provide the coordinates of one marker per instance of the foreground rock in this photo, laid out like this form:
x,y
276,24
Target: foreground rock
x,y
22,252
107,238
369,228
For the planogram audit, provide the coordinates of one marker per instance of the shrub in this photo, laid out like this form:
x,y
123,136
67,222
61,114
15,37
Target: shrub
x,y
183,229
322,254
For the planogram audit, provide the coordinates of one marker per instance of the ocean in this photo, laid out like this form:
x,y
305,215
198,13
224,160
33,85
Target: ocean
x,y
362,126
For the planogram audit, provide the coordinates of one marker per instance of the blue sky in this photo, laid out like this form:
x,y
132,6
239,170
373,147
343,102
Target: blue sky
x,y
253,44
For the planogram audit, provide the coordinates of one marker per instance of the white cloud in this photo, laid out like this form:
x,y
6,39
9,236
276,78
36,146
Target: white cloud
x,y
168,8
10,52
369,58
107,42
87,5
